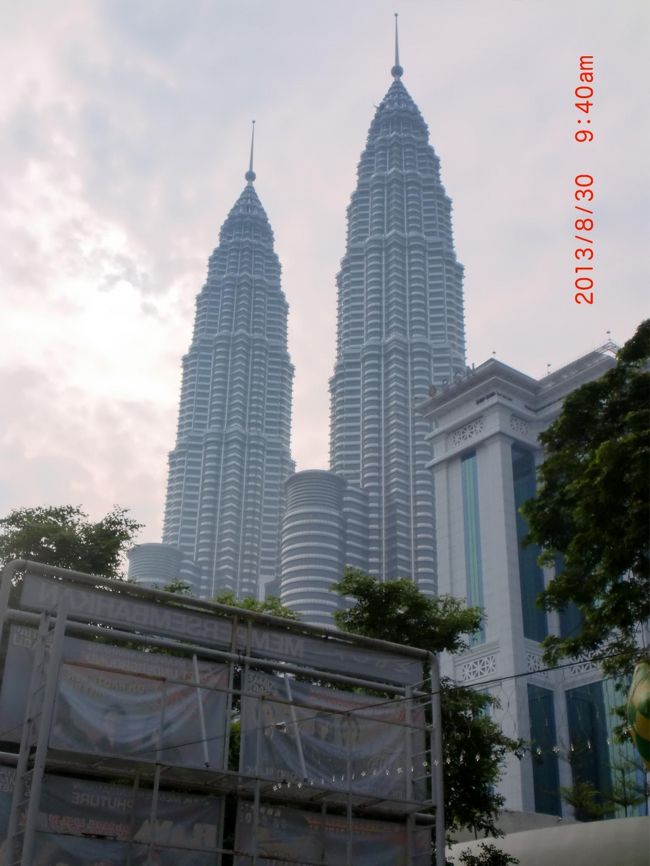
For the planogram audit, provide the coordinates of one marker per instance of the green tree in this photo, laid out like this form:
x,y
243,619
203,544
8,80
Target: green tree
x,y
585,799
270,605
591,511
397,611
474,747
64,536
176,587
489,855
629,785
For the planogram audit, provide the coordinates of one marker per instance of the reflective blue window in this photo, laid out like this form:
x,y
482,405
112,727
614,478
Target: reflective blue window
x,y
531,577
546,779
472,532
571,618
588,746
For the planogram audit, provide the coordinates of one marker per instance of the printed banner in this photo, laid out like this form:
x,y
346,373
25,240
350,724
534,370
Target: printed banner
x,y
113,608
83,808
119,702
72,810
332,739
73,851
52,850
7,777
290,837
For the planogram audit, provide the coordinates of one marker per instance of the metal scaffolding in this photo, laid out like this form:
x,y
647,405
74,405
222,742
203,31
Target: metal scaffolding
x,y
57,605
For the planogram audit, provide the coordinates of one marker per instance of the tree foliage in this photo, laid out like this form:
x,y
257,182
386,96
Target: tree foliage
x,y
624,790
474,750
64,536
489,855
176,587
474,747
586,800
397,611
629,785
270,605
592,507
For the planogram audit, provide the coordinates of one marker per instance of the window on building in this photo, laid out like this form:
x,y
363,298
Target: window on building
x,y
571,618
546,779
531,577
472,533
588,746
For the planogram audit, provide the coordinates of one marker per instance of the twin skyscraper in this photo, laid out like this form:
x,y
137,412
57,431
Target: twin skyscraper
x,y
237,517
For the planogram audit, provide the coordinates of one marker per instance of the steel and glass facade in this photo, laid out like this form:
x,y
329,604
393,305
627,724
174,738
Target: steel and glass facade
x,y
531,579
232,456
544,750
400,330
472,537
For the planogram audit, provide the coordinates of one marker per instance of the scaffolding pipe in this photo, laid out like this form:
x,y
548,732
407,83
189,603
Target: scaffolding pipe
x,y
40,756
28,618
238,651
200,605
437,766
199,696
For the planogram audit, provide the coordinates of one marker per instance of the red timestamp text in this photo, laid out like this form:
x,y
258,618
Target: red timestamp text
x,y
584,254
584,93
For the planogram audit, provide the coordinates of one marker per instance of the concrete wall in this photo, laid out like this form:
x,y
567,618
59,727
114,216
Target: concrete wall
x,y
621,842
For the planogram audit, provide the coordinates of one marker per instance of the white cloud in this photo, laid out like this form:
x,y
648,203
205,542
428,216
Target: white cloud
x,y
125,143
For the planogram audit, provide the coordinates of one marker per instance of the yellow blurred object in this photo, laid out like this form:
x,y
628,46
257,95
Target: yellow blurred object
x,y
638,710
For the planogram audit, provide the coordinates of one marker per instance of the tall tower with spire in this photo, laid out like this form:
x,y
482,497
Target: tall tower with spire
x,y
400,330
232,453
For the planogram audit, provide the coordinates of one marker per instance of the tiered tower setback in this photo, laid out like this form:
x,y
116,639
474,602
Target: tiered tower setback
x,y
400,330
232,456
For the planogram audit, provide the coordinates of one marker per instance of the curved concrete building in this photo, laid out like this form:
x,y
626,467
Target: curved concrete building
x,y
154,564
313,544
324,529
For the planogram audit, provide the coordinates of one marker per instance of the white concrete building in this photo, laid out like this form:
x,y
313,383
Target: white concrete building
x,y
485,455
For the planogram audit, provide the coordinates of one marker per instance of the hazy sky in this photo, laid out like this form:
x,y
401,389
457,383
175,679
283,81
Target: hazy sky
x,y
125,140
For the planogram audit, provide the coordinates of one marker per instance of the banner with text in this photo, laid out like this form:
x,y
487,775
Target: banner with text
x,y
121,702
212,629
184,832
299,732
74,851
290,837
7,781
83,808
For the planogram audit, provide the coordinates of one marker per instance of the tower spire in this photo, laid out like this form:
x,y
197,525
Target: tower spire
x,y
250,174
397,70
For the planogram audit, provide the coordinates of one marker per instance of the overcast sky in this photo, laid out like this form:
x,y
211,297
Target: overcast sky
x,y
125,140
